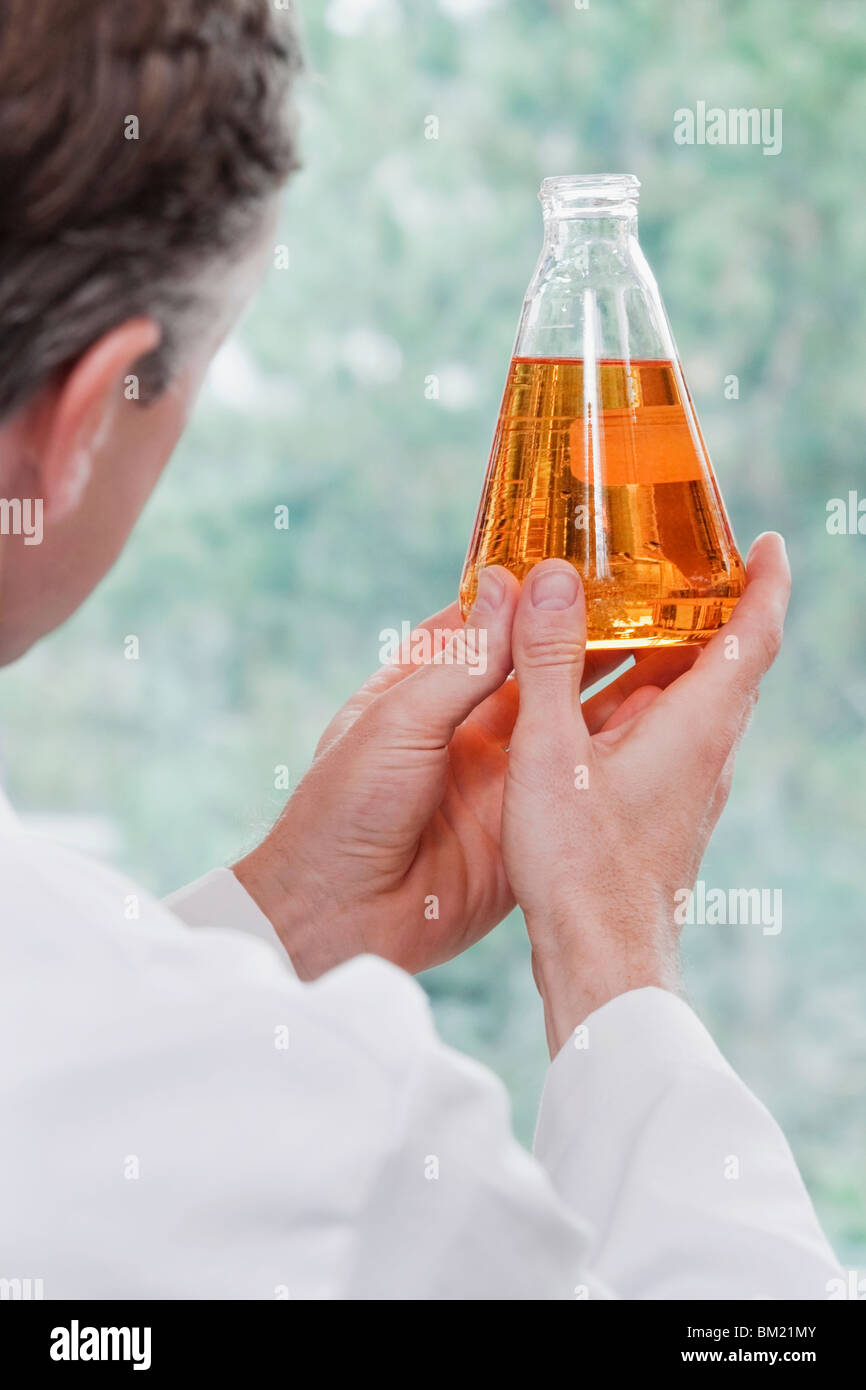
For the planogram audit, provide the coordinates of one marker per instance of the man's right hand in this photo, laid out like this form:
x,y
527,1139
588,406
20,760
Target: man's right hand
x,y
600,831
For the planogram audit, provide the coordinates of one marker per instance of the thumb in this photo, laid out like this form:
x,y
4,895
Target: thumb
x,y
430,703
549,645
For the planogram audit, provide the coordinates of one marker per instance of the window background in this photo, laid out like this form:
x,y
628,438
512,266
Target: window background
x,y
409,257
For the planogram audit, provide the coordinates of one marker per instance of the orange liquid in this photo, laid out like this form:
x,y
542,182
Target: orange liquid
x,y
618,481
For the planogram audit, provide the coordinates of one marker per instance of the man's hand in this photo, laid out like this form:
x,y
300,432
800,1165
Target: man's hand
x,y
391,842
608,807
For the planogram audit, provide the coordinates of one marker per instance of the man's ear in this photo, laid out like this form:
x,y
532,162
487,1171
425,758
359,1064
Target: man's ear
x,y
74,416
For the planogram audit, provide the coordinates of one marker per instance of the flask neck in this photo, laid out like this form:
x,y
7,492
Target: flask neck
x,y
565,236
581,208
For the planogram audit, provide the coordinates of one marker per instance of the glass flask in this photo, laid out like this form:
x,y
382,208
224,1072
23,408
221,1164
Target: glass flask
x,y
598,457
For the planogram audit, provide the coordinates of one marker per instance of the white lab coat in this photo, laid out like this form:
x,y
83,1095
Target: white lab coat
x,y
182,1118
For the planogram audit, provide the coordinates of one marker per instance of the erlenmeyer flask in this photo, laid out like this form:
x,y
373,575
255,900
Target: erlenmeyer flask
x,y
598,457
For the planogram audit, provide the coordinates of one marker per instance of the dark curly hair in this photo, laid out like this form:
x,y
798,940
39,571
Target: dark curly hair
x,y
97,227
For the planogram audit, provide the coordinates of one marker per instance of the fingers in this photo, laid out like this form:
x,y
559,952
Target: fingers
x,y
430,702
658,667
496,715
707,709
446,620
497,720
634,704
758,621
729,670
548,645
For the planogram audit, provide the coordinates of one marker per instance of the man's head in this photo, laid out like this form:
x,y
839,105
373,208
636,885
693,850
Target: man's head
x,y
140,150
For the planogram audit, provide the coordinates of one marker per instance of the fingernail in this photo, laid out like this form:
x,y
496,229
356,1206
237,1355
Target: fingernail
x,y
555,589
763,536
491,592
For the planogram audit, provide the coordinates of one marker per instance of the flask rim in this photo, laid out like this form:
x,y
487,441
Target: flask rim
x,y
590,195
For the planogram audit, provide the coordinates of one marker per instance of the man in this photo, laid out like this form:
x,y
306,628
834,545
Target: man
x,y
191,1112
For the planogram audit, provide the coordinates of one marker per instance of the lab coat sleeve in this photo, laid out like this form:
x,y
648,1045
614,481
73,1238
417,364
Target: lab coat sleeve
x,y
457,1209
690,1185
657,1169
217,899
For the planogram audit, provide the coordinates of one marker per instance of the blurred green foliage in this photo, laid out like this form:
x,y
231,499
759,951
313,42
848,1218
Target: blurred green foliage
x,y
409,257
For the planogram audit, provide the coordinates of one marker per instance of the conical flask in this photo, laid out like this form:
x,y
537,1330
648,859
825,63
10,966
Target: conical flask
x,y
598,457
